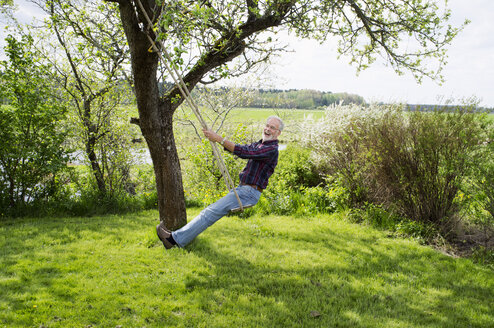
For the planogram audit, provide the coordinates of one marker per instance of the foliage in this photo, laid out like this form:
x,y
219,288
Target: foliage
x,y
365,31
6,6
296,169
296,187
484,256
420,165
339,147
31,153
202,178
76,195
412,163
381,218
477,194
90,71
113,149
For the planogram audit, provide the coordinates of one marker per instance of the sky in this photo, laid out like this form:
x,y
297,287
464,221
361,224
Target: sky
x,y
469,72
310,65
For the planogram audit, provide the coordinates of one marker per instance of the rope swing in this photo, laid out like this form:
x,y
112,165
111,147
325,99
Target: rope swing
x,y
179,82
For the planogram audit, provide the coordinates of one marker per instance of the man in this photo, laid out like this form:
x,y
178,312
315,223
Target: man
x,y
262,159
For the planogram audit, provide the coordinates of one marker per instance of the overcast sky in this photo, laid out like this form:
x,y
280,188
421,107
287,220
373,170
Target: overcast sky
x,y
470,69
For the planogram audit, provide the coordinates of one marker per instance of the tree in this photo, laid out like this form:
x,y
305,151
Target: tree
x,y
6,8
6,5
31,152
206,36
90,67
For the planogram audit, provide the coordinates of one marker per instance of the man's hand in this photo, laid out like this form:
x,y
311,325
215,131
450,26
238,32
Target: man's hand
x,y
211,135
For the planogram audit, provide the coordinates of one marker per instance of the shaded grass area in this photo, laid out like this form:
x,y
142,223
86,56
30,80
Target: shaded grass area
x,y
258,272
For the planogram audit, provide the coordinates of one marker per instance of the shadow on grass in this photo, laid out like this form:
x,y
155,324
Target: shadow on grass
x,y
42,260
267,272
328,279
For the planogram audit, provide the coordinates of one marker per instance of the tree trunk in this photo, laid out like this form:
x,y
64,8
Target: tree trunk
x,y
90,146
155,121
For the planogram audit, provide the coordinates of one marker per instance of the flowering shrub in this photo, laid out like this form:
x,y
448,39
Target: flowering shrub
x,y
413,162
340,145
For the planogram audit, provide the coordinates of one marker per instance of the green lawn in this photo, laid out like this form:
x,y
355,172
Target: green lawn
x,y
254,115
258,272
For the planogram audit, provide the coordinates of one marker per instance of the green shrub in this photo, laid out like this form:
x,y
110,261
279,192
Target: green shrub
x,y
293,187
480,189
296,168
412,163
203,181
420,160
484,256
31,152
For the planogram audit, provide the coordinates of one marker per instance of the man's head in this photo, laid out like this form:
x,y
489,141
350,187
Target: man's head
x,y
273,128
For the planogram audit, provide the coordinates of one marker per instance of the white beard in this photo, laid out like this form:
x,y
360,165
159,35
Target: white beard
x,y
266,137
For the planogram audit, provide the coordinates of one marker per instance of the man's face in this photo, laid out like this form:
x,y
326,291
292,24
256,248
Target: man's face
x,y
271,130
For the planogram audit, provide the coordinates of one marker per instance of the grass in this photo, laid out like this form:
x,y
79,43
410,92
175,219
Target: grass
x,y
272,271
261,114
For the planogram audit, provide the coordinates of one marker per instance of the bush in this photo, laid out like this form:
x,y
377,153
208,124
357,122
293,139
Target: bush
x,y
31,153
476,197
296,169
297,187
420,161
411,163
341,148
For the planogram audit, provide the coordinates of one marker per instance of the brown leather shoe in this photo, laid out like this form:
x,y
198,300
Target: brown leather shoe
x,y
163,234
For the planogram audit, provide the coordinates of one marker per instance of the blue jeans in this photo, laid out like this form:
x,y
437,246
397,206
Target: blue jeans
x,y
248,196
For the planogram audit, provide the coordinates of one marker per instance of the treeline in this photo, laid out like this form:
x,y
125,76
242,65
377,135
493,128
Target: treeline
x,y
301,99
292,98
444,108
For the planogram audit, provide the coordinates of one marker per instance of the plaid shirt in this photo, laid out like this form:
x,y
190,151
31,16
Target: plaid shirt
x,y
262,159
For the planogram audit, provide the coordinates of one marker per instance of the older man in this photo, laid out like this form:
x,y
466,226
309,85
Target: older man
x,y
262,159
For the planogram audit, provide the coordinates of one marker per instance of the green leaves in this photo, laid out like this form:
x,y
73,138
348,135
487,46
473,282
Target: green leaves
x,y
30,152
409,35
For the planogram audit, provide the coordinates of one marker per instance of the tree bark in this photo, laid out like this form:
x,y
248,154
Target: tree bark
x,y
155,121
90,142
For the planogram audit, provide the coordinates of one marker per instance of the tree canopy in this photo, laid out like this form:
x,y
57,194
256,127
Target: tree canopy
x,y
410,35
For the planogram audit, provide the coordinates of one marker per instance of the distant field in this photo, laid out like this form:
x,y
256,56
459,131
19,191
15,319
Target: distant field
x,y
251,115
254,114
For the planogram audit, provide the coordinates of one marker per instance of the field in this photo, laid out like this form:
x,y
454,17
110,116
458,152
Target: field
x,y
254,114
322,271
254,119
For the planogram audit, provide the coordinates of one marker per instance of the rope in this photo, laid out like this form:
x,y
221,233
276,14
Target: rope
x,y
179,82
